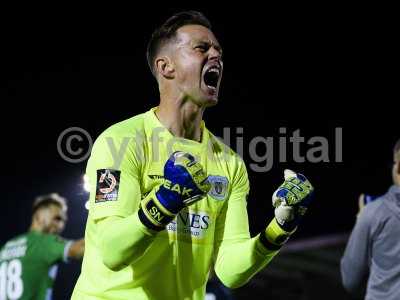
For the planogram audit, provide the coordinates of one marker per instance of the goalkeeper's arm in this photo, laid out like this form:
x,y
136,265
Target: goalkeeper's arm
x,y
240,257
124,239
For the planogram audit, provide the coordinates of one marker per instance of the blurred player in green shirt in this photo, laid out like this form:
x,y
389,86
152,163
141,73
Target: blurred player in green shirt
x,y
167,198
28,262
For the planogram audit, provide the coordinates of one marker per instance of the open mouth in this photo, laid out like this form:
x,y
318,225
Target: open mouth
x,y
211,77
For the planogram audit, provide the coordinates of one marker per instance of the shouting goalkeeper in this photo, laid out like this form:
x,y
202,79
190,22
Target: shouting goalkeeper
x,y
167,200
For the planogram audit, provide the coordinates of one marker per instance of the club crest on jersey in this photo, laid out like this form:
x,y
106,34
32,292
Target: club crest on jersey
x,y
107,185
219,187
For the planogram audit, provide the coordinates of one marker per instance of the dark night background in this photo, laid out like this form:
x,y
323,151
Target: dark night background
x,y
286,68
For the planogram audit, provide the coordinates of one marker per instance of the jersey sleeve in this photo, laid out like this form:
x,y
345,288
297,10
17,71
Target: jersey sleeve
x,y
55,248
354,265
238,257
114,176
113,173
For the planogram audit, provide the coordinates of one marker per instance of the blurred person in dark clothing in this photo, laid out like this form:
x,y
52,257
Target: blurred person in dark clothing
x,y
372,256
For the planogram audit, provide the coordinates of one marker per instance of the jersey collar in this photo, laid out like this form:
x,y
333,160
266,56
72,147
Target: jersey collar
x,y
155,128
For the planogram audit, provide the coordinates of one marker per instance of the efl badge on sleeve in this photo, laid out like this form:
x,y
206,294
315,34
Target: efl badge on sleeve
x,y
107,185
219,187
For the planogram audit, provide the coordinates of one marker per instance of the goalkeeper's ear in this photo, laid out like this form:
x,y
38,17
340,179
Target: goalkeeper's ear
x,y
165,67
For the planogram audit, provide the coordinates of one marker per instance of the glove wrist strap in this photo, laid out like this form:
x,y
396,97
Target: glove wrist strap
x,y
153,214
274,235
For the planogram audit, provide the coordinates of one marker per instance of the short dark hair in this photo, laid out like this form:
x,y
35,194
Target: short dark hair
x,y
167,31
45,201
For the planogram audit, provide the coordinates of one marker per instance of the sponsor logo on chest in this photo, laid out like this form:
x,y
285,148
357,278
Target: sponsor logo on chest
x,y
191,224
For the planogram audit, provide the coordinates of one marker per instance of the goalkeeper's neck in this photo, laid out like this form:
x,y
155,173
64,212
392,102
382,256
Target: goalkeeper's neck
x,y
181,117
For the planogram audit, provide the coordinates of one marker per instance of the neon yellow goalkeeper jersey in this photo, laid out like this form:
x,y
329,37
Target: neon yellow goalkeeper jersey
x,y
126,163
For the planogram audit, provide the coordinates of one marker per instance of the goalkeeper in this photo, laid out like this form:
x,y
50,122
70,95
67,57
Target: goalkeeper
x,y
168,200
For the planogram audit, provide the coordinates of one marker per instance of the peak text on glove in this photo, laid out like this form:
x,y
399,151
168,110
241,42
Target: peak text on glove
x,y
177,188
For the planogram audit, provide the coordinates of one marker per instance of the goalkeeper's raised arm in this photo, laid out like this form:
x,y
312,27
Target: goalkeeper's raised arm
x,y
239,257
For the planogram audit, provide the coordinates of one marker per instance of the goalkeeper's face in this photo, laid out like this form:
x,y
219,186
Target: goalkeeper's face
x,y
197,60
